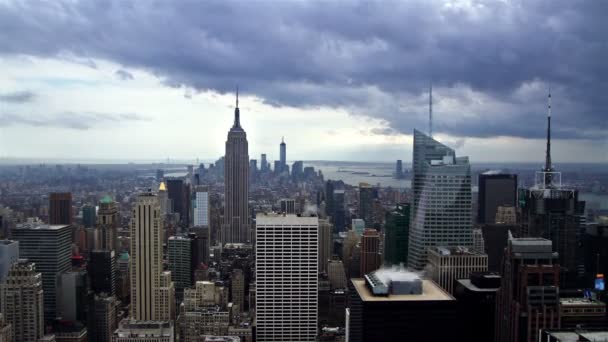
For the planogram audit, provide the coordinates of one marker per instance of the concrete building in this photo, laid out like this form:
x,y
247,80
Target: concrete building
x,y
236,225
108,220
6,330
476,296
371,259
72,292
103,318
447,264
441,208
495,190
165,298
144,331
50,248
9,254
286,293
325,244
147,260
60,208
395,305
528,299
237,289
22,301
203,312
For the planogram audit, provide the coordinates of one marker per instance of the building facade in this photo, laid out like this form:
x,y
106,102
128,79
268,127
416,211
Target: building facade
x,y
60,208
448,264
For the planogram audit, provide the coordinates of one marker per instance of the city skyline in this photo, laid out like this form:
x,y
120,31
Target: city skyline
x,y
346,108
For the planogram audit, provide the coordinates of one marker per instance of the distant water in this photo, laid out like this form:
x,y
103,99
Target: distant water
x,y
355,173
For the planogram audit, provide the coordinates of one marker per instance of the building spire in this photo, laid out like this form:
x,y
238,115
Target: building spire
x,y
237,112
431,110
548,165
282,139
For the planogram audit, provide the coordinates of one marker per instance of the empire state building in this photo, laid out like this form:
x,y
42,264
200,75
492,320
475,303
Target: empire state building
x,y
235,227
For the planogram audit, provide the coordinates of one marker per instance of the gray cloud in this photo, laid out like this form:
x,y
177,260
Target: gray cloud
x,y
124,75
17,97
491,62
72,120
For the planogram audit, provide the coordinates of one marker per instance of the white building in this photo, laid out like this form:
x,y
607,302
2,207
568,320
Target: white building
x,y
447,264
286,278
144,331
201,207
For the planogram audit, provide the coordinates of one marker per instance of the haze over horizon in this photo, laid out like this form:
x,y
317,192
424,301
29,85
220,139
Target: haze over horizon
x,y
341,81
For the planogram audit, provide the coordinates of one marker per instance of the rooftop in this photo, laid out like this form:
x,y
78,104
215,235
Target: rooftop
x,y
469,285
281,219
430,292
581,301
456,250
41,226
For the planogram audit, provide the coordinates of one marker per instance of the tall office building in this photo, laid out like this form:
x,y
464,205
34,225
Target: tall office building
x,y
72,291
22,301
102,271
476,296
358,226
286,278
201,207
102,318
447,264
9,253
396,235
528,299
60,208
164,298
108,220
50,248
329,198
283,156
146,257
325,244
297,171
288,206
366,202
179,195
237,289
399,169
235,228
89,215
553,211
370,251
180,251
395,305
441,210
263,163
495,190
339,214
166,207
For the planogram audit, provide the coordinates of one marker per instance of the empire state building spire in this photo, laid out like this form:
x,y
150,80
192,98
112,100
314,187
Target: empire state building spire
x,y
548,169
237,112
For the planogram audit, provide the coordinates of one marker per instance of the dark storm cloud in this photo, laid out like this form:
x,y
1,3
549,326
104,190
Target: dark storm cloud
x,y
17,97
80,121
491,62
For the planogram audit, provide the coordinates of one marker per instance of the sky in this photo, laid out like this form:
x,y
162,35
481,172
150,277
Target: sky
x,y
340,80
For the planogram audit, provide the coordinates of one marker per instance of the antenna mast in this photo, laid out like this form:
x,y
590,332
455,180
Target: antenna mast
x,y
431,110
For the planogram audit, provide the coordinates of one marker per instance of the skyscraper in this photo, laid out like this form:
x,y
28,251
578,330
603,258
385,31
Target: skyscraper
x,y
102,318
22,301
146,257
179,194
325,244
366,201
399,169
441,210
339,214
235,228
50,248
107,223
447,264
528,298
9,253
495,190
60,208
283,155
286,292
201,208
89,215
263,163
180,251
102,271
370,251
396,235
237,289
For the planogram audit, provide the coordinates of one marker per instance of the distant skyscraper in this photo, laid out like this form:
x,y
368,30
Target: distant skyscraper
x,y
288,206
325,244
235,228
50,248
264,163
180,262
102,271
286,294
396,235
366,201
370,251
160,175
9,253
329,198
441,211
89,215
107,223
399,169
22,301
201,207
495,190
102,318
528,299
166,207
60,208
179,194
283,155
358,226
146,257
339,213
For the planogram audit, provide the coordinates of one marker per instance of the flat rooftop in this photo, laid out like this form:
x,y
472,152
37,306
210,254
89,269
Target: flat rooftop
x,y
274,219
430,292
41,226
580,301
469,285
